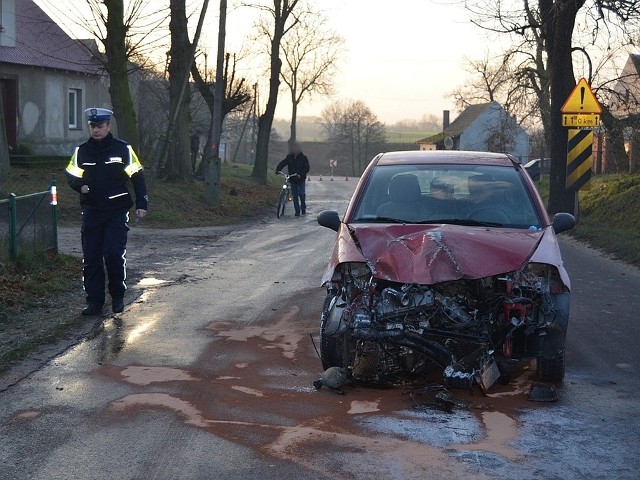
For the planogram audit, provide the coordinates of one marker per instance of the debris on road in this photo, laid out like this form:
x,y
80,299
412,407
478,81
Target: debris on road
x,y
334,378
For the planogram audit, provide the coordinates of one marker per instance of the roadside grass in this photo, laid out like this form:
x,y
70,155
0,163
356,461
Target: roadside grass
x,y
32,290
25,282
609,216
171,205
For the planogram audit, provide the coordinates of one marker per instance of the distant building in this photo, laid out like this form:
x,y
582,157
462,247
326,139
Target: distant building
x,y
485,127
47,79
624,105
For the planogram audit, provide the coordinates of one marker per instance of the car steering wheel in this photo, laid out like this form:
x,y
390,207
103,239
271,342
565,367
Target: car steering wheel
x,y
490,214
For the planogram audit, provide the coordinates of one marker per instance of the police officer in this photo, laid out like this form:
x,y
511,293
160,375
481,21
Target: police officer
x,y
297,164
99,171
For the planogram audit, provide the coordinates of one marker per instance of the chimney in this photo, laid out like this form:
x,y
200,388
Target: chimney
x,y
445,119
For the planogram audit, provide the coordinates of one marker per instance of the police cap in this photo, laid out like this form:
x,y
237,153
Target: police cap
x,y
98,115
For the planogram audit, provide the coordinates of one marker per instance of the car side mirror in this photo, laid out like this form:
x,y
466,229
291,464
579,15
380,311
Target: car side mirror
x,y
329,219
563,222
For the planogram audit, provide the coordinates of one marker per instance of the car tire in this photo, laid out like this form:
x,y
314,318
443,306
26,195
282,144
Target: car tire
x,y
331,347
551,369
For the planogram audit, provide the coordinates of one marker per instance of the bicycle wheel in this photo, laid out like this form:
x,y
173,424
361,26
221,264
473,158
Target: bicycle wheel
x,y
282,201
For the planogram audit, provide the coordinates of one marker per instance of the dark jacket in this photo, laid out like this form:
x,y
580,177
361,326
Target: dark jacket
x,y
295,164
106,167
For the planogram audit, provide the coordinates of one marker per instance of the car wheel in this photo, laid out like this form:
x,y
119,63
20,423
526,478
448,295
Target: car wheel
x,y
331,346
551,369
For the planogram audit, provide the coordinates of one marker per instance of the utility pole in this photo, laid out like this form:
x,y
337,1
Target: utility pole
x,y
212,175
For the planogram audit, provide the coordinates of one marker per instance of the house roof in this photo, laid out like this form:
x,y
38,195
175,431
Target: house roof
x,y
40,42
460,124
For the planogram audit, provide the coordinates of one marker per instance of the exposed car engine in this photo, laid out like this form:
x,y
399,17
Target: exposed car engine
x,y
384,332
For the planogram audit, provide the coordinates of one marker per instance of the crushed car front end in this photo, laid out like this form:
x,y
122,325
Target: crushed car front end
x,y
406,297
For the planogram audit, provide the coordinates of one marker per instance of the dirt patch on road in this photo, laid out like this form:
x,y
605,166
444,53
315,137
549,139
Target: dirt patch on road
x,y
264,399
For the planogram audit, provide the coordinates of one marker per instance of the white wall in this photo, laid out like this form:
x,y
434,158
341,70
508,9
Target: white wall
x,y
494,120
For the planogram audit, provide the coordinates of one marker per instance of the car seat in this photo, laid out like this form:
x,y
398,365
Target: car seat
x,y
405,199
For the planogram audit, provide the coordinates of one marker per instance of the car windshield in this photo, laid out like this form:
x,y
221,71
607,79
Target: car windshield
x,y
474,195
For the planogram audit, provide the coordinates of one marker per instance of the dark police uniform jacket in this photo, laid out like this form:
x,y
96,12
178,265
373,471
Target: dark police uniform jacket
x,y
106,167
295,164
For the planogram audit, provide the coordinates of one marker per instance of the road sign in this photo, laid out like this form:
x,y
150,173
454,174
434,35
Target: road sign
x,y
579,158
580,120
581,100
333,163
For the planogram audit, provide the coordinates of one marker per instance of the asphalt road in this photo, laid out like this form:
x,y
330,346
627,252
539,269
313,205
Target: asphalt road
x,y
208,374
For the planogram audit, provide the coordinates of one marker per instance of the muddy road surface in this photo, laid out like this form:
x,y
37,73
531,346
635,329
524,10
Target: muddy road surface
x,y
208,375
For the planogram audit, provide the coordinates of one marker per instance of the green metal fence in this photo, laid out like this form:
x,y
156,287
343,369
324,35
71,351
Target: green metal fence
x,y
29,223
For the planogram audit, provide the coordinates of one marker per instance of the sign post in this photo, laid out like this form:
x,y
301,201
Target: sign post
x,y
580,114
332,164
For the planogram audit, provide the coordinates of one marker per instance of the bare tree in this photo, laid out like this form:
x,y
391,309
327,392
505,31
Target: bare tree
x,y
352,123
126,31
237,95
280,16
311,51
499,80
548,27
178,166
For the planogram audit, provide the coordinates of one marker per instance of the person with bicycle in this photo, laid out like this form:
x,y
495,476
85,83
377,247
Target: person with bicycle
x,y
297,164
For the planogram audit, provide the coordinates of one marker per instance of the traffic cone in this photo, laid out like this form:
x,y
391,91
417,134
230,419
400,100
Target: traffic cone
x,y
320,179
332,178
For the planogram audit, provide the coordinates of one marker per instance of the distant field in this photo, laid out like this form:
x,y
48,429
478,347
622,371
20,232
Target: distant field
x,y
405,137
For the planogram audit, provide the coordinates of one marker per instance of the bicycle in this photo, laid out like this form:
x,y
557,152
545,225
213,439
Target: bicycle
x,y
285,194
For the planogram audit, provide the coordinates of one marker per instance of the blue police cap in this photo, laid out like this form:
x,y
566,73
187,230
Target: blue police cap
x,y
98,115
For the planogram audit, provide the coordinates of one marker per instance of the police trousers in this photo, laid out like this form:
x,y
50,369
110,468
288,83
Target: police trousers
x,y
104,244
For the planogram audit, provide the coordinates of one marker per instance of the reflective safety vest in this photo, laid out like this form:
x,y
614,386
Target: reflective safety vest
x,y
106,167
133,164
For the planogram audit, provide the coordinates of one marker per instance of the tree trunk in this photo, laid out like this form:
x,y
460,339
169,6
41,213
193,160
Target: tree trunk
x,y
117,68
558,19
265,121
634,158
294,119
179,161
4,155
212,177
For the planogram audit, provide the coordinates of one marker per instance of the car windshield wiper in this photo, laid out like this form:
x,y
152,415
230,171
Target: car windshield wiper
x,y
380,220
461,221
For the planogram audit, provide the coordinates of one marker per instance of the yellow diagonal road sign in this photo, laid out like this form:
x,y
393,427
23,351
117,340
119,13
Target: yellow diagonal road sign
x,y
579,158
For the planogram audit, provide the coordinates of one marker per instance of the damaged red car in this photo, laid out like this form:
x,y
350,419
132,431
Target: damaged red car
x,y
446,260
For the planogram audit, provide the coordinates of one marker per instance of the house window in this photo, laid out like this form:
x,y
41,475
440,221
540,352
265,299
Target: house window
x,y
75,107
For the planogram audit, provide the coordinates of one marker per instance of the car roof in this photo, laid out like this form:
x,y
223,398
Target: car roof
x,y
446,157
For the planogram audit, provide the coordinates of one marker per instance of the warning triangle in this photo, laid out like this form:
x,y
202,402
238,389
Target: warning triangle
x,y
581,100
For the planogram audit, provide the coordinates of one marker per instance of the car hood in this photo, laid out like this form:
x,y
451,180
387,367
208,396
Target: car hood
x,y
428,254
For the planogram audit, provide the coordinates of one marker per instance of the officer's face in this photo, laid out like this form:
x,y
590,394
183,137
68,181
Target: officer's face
x,y
99,130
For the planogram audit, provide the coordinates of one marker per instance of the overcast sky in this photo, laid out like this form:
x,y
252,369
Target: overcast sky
x,y
402,57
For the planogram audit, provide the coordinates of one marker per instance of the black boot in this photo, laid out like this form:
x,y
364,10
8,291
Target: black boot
x,y
117,305
92,309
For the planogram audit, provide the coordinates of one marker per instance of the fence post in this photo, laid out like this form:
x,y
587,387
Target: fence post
x,y
13,234
54,212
